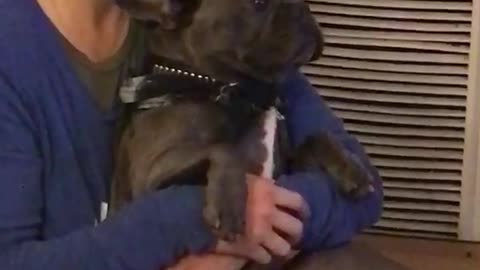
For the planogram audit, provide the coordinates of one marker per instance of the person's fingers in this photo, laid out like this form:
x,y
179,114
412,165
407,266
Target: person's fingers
x,y
277,245
291,200
244,249
260,208
260,255
288,225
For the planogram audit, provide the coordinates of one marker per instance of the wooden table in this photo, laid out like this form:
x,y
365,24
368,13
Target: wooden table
x,y
375,252
359,255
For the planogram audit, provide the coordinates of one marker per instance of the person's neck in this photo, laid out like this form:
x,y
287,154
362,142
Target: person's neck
x,y
97,28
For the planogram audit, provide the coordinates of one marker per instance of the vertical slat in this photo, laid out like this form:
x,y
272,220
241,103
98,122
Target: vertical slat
x,y
469,227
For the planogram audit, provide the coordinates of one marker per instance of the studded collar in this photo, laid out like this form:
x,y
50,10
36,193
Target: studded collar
x,y
169,82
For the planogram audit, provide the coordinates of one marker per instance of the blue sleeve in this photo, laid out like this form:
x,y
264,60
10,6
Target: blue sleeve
x,y
149,234
335,219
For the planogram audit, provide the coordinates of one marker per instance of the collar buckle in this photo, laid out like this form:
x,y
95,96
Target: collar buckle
x,y
129,89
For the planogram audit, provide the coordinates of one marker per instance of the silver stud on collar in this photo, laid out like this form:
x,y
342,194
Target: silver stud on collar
x,y
161,69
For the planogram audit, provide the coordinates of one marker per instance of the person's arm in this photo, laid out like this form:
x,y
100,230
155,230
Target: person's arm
x,y
334,218
148,234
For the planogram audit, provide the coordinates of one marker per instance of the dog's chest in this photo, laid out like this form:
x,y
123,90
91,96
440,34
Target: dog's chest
x,y
266,146
269,128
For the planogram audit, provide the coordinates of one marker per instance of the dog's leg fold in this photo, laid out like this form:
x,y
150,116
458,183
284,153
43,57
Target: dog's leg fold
x,y
322,152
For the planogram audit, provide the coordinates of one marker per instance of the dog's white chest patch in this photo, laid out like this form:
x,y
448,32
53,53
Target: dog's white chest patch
x,y
270,128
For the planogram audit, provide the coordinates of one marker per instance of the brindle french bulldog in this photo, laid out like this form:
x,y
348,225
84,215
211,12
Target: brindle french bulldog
x,y
244,42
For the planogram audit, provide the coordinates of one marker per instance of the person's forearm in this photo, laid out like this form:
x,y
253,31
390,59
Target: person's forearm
x,y
335,218
149,234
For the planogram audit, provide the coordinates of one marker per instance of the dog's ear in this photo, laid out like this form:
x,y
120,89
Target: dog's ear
x,y
319,47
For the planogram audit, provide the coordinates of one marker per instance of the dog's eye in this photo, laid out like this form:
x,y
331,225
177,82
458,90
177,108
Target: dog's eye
x,y
260,5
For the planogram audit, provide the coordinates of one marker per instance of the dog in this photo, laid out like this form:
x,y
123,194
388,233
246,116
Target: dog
x,y
209,108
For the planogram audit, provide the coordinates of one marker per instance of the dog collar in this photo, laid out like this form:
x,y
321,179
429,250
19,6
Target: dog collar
x,y
169,82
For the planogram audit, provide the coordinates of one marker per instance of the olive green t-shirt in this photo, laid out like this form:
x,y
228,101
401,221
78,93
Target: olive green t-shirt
x,y
103,79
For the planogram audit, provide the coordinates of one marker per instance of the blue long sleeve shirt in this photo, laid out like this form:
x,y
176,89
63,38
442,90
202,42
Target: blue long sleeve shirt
x,y
55,162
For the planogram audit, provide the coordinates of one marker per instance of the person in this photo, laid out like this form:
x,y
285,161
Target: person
x,y
62,61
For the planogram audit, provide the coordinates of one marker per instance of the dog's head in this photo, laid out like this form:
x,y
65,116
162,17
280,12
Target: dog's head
x,y
229,39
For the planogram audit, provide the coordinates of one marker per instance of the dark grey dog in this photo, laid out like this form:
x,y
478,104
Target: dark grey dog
x,y
216,116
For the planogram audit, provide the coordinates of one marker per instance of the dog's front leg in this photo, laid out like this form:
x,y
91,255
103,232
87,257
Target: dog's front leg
x,y
226,192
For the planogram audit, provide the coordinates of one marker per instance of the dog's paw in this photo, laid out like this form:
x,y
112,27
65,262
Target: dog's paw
x,y
226,202
225,213
226,219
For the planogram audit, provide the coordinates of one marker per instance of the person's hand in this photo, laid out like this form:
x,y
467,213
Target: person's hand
x,y
209,262
274,222
271,230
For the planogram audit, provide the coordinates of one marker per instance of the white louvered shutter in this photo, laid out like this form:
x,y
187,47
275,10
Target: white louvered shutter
x,y
398,72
